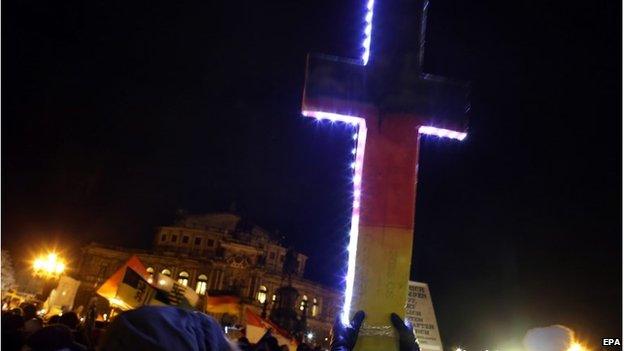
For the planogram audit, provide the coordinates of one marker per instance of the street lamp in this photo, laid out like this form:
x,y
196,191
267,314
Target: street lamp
x,y
49,266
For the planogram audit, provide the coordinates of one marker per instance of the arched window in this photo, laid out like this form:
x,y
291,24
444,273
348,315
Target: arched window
x,y
304,302
166,272
183,278
150,271
314,307
262,294
202,284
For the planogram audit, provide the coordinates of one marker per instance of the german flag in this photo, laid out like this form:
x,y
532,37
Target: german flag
x,y
129,288
123,283
222,302
134,291
256,329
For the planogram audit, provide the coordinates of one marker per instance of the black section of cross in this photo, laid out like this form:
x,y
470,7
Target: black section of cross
x,y
393,80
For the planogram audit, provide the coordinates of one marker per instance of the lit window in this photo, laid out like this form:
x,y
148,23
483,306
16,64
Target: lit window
x,y
304,302
314,307
150,271
166,272
273,298
202,284
183,278
262,294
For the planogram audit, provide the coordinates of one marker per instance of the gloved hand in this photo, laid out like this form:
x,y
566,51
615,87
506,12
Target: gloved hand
x,y
343,337
407,341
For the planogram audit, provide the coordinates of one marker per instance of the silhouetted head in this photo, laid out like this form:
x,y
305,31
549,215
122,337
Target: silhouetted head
x,y
32,325
52,338
54,319
69,319
29,310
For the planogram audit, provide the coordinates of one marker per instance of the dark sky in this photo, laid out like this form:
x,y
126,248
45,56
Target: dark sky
x,y
118,113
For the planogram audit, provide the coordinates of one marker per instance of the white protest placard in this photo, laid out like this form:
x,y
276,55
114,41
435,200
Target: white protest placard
x,y
63,296
419,312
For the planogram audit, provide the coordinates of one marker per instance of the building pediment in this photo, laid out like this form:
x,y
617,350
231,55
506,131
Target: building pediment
x,y
235,247
238,261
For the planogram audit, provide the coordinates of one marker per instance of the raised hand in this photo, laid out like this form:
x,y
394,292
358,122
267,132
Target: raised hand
x,y
343,337
407,341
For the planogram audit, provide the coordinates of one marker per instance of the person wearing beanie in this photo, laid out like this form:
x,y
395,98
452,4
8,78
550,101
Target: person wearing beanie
x,y
164,328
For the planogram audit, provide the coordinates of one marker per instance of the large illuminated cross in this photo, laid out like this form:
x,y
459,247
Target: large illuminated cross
x,y
390,102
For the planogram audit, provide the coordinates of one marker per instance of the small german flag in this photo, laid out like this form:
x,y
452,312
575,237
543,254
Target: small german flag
x,y
256,329
222,302
127,288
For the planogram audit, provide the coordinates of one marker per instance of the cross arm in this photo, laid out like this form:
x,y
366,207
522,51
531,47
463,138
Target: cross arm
x,y
345,87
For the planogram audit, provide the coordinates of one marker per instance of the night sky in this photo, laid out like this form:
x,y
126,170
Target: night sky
x,y
118,113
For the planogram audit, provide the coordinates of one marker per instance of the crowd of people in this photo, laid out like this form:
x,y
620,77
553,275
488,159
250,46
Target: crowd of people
x,y
23,329
156,328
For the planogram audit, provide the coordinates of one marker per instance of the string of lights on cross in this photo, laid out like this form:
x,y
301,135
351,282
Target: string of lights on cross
x,y
357,84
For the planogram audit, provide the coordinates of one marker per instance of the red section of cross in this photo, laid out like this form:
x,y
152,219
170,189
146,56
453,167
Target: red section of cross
x,y
390,171
385,176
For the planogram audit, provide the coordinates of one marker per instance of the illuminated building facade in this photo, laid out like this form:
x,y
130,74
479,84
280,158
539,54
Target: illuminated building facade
x,y
219,252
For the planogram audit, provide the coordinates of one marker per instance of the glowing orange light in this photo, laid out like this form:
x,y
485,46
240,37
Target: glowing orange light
x,y
48,266
576,346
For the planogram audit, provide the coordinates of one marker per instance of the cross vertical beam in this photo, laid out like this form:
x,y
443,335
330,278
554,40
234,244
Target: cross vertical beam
x,y
391,102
